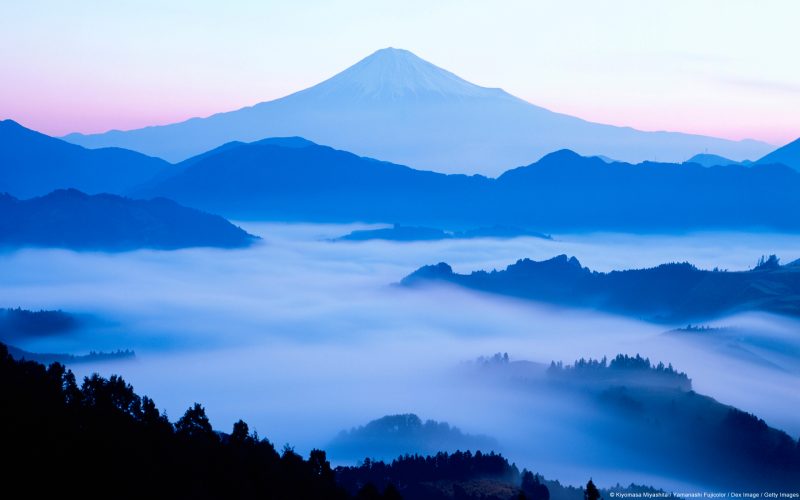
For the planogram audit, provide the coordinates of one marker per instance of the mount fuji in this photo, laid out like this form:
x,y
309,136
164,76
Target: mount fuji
x,y
398,107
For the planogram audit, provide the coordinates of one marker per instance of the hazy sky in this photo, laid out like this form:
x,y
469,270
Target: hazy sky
x,y
727,68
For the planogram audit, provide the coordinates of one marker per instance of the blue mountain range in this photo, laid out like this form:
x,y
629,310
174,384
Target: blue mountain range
x,y
562,191
294,179
33,164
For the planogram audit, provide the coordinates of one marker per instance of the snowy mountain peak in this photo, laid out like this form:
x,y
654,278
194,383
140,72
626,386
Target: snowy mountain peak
x,y
397,107
391,73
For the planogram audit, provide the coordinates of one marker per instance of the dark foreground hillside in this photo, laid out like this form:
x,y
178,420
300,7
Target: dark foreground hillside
x,y
99,439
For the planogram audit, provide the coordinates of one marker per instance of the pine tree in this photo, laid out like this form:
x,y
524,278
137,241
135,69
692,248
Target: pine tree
x,y
591,492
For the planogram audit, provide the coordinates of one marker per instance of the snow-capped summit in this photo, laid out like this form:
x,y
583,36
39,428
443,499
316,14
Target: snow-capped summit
x,y
395,74
395,106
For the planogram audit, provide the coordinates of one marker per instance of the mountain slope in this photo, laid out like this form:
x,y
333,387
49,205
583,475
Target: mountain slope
x,y
709,160
267,180
788,155
395,106
630,414
71,219
668,293
311,182
33,164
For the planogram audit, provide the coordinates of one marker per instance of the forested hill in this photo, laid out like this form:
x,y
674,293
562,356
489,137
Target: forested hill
x,y
394,435
649,412
673,292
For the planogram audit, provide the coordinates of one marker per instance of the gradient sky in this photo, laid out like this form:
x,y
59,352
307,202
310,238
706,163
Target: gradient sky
x,y
727,68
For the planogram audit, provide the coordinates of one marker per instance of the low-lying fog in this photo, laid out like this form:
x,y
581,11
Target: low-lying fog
x,y
302,337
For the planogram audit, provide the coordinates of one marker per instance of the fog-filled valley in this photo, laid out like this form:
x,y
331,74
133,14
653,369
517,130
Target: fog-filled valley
x,y
383,251
303,337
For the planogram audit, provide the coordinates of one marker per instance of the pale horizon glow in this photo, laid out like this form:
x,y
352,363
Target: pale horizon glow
x,y
720,68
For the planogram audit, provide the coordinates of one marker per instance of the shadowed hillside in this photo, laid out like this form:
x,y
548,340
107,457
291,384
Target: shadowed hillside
x,y
33,164
71,219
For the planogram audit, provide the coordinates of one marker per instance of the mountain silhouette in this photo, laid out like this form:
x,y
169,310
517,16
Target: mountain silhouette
x,y
396,435
398,107
668,293
562,191
788,155
709,160
33,164
421,233
292,178
265,179
71,219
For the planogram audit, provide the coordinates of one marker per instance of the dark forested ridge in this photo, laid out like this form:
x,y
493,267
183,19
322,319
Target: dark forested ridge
x,y
622,370
71,219
107,441
460,475
465,476
667,293
70,359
